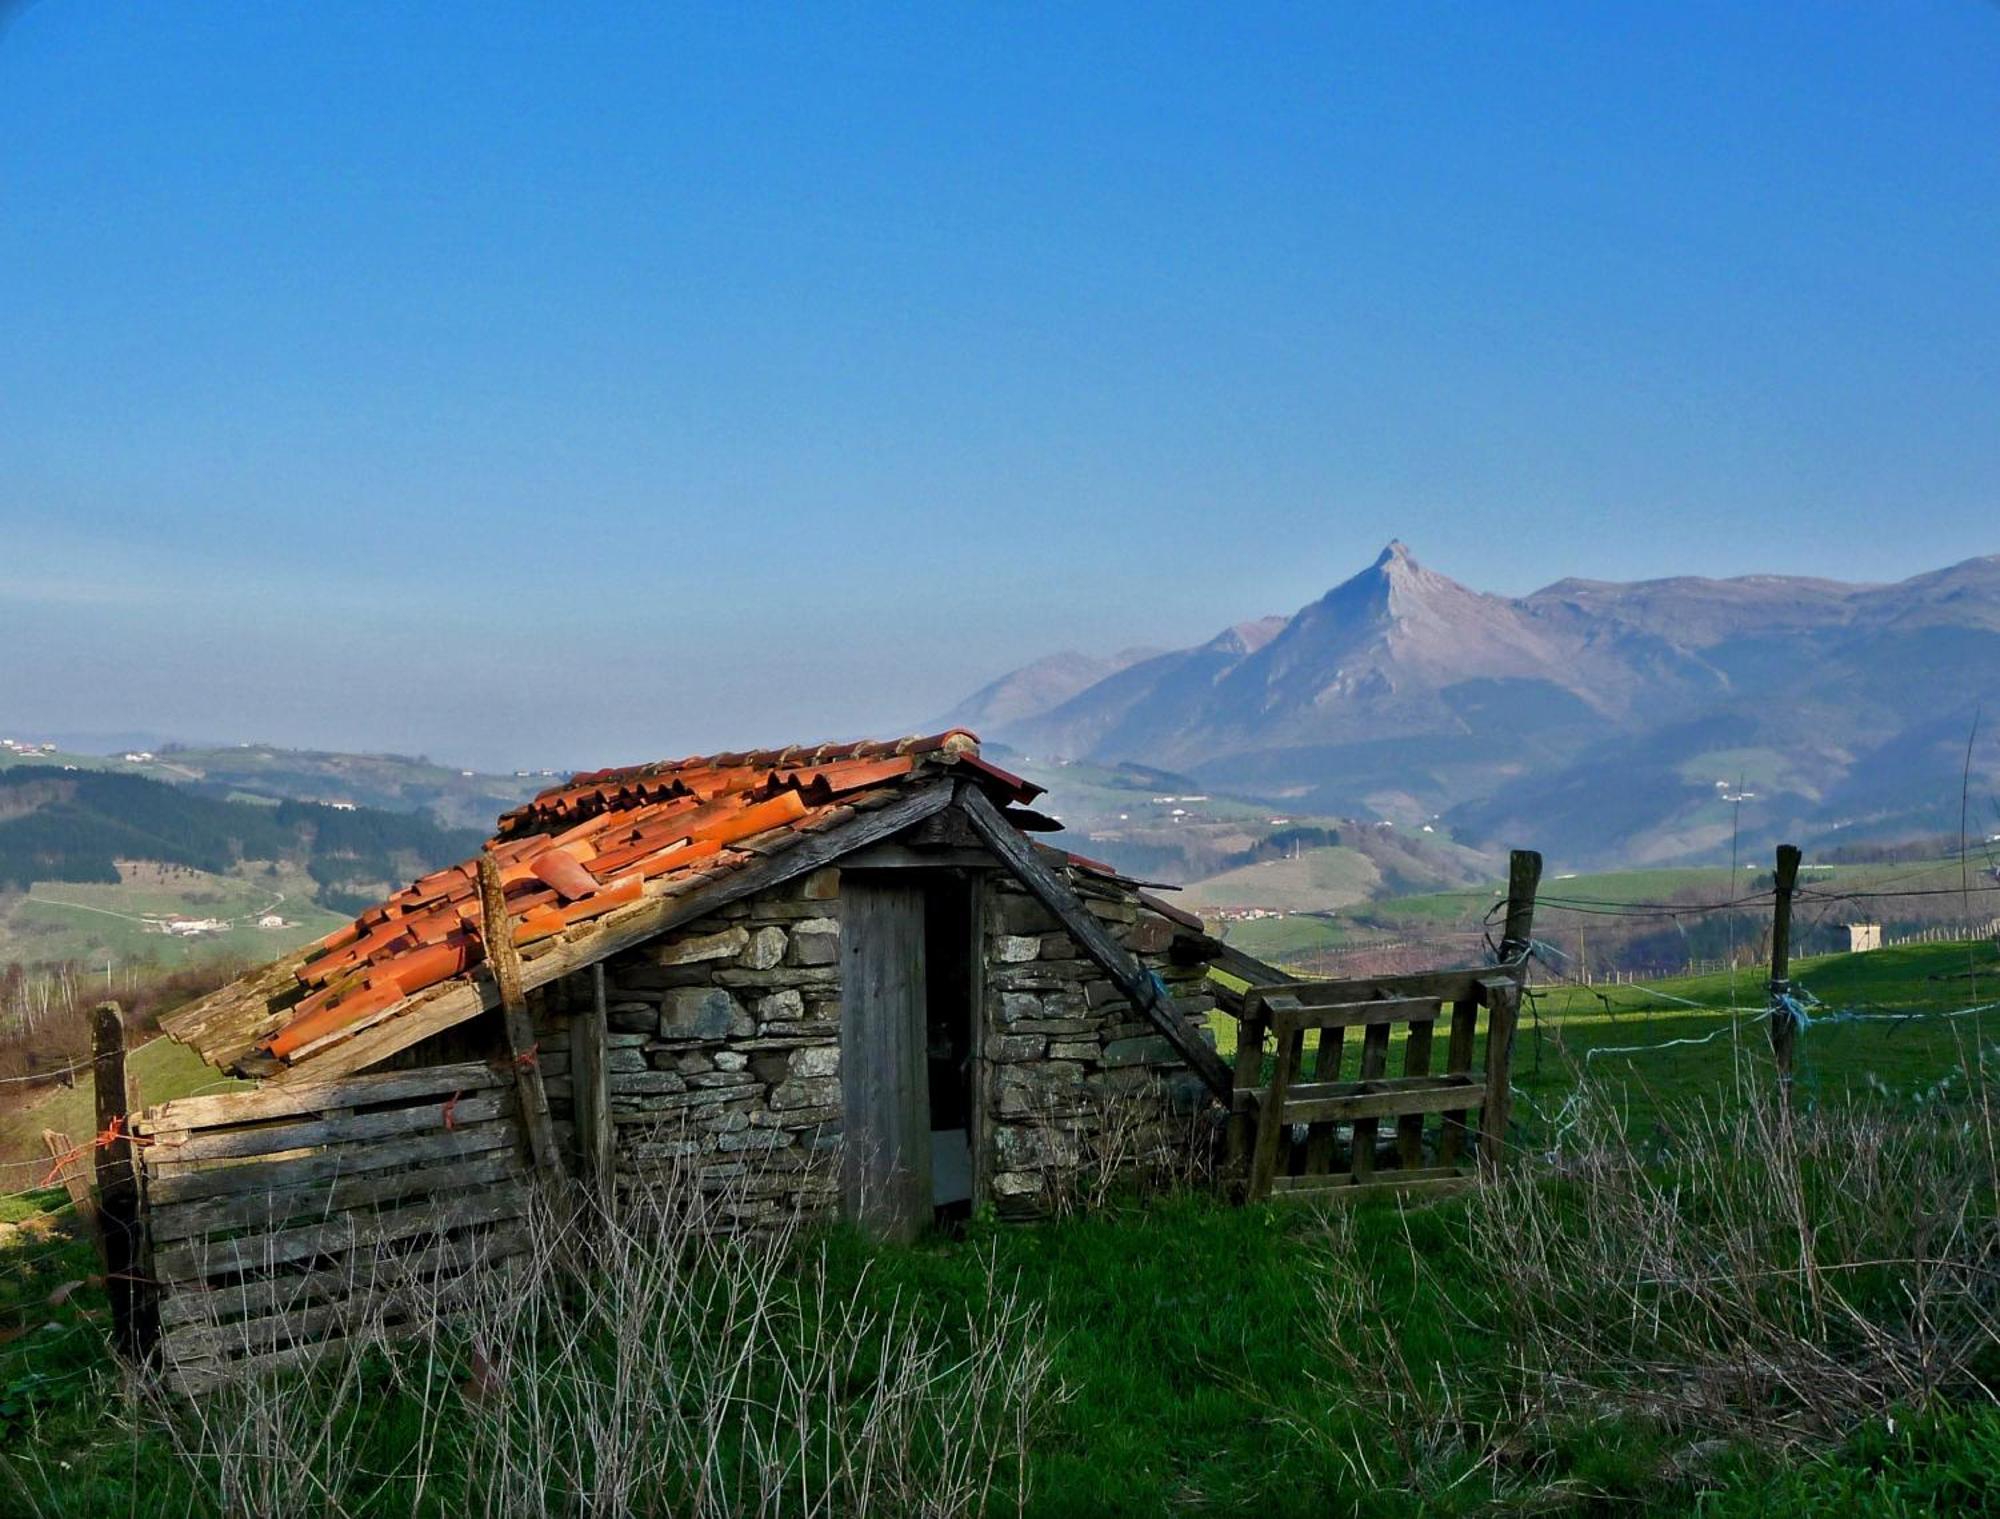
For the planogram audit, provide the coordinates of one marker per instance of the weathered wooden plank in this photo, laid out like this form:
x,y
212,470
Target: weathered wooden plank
x,y
1374,1061
1270,1115
1390,1097
169,1185
386,1123
885,1099
503,958
1141,987
1247,1078
370,1089
617,932
1234,962
370,1303
1416,1065
68,1163
1326,1072
1429,1182
277,1208
1503,1002
1458,1061
590,1093
1287,1011
196,1302
266,1252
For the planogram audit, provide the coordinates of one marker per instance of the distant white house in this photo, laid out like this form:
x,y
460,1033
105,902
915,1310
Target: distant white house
x,y
344,806
272,920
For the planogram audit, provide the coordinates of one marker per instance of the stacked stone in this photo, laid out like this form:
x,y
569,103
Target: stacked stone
x,y
725,1051
1065,1044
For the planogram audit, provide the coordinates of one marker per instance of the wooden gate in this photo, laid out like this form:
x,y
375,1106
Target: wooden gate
x,y
1421,1130
285,1220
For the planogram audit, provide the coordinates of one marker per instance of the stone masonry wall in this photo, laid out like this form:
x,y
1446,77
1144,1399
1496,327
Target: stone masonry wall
x,y
725,1050
1082,1086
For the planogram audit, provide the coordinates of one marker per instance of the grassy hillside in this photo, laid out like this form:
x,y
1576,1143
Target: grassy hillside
x,y
1199,1358
92,862
456,797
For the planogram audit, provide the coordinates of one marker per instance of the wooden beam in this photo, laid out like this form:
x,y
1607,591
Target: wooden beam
x,y
1503,1007
1141,987
1233,962
503,959
618,932
590,1089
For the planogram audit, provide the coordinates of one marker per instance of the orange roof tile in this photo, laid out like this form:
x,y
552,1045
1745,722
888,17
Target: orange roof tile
x,y
589,845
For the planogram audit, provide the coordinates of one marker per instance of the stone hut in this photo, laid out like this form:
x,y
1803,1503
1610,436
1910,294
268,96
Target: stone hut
x,y
849,978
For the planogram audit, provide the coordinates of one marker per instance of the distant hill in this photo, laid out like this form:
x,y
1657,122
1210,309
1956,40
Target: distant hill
x,y
60,825
1597,720
392,782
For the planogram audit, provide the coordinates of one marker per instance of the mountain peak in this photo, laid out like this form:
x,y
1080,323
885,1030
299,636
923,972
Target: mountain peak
x,y
1397,553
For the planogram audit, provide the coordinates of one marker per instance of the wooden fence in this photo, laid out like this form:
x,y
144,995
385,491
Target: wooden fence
x,y
286,1220
1418,1131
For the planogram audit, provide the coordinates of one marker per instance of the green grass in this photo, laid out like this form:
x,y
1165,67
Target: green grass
x,y
1314,879
1189,1335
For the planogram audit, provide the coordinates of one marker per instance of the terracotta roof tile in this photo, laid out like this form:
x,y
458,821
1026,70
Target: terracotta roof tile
x,y
599,841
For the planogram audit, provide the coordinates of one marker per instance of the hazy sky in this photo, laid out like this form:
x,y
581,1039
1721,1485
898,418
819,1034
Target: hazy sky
x,y
564,384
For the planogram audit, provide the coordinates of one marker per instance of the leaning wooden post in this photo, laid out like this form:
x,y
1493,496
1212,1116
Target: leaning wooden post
x,y
503,958
590,1087
118,1223
1784,1027
1503,1012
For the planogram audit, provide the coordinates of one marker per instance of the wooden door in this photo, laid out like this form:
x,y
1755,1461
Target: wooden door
x,y
885,1097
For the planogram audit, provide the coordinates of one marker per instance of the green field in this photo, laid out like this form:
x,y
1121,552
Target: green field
x,y
1314,879
91,922
1207,1359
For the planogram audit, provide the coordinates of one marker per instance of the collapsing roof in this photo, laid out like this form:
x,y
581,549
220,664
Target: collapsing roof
x,y
590,866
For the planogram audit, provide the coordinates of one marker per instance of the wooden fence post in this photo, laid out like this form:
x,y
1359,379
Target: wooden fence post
x,y
118,1222
1784,1029
1524,877
503,958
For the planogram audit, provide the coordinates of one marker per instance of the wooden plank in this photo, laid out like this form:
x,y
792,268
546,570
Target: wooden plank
x,y
276,1208
1390,1097
190,1344
1503,1002
1416,1066
1271,1116
169,1186
1141,987
590,1091
1247,1078
195,1302
617,932
67,1162
260,1104
503,958
1288,1012
885,1152
267,1252
120,1229
1326,1072
896,855
1374,1060
1429,1182
1234,962
1458,1061
386,1123
1434,985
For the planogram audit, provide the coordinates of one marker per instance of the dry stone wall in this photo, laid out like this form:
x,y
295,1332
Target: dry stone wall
x,y
724,1053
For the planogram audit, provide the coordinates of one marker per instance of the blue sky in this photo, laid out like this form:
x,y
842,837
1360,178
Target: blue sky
x,y
570,384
